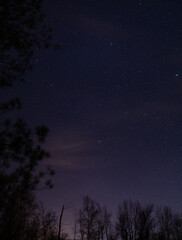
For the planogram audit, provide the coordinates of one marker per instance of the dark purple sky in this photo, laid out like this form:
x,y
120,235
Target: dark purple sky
x,y
112,98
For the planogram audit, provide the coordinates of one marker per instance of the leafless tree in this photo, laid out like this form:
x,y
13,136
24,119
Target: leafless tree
x,y
145,224
60,223
48,223
104,224
88,219
177,227
164,220
134,222
169,224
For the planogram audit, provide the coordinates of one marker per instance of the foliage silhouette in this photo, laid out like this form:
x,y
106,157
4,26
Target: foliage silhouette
x,y
22,33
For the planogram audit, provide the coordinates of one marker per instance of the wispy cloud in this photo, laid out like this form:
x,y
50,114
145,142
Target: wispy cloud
x,y
73,150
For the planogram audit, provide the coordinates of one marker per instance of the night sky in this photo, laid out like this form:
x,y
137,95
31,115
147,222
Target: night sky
x,y
112,98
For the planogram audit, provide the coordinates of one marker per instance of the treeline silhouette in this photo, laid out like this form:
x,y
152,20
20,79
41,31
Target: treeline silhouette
x,y
133,221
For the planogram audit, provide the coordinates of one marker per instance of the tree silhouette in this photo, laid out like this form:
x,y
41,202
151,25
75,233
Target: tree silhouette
x,y
88,219
42,225
134,222
20,156
94,221
168,223
105,227
22,33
